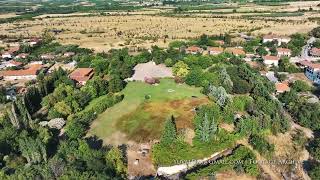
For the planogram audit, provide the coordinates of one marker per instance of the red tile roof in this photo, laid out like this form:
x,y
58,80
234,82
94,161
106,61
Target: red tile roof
x,y
16,63
282,87
283,50
270,58
310,64
81,74
215,49
13,49
235,51
315,51
194,49
32,70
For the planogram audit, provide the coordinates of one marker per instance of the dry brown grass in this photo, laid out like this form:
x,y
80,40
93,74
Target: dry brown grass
x,y
144,30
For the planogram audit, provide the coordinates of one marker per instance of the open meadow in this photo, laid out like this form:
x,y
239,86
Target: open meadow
x,y
150,26
138,118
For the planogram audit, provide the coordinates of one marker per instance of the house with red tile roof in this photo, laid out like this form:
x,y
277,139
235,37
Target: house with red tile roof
x,y
236,51
315,52
282,87
215,50
283,52
10,52
312,70
271,60
82,75
28,74
194,50
13,63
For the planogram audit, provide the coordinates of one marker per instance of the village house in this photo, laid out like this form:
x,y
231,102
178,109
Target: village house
x,y
194,50
12,63
67,67
283,52
10,52
279,39
315,52
271,60
21,56
82,75
27,74
47,56
312,70
282,87
236,51
215,50
34,41
69,54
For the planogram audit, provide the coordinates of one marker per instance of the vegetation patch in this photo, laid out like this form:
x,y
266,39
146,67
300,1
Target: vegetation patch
x,y
145,107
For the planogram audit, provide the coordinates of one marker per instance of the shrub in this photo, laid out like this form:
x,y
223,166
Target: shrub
x,y
261,145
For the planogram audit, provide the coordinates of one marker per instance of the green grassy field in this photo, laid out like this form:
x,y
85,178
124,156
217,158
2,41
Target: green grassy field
x,y
141,118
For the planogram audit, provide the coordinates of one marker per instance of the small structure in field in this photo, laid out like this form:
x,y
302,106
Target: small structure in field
x,y
151,80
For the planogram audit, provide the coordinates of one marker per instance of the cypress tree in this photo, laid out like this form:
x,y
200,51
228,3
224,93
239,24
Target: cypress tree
x,y
169,134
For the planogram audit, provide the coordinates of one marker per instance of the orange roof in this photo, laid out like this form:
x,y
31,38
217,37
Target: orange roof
x,y
81,74
235,51
270,36
284,50
13,49
282,87
216,49
16,63
315,51
271,58
194,49
32,70
310,64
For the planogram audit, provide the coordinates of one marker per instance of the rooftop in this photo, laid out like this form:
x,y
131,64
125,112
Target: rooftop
x,y
270,58
32,70
235,51
282,87
194,48
81,74
217,49
310,64
286,50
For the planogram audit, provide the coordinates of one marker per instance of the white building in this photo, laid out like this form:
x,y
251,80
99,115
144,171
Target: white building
x,y
279,39
283,52
271,60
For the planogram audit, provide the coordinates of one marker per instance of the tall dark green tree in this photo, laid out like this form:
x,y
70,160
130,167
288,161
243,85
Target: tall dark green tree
x,y
169,134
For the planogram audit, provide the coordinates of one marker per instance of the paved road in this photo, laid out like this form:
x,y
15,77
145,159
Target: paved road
x,y
306,48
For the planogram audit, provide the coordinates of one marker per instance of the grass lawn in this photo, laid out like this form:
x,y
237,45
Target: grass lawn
x,y
141,119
